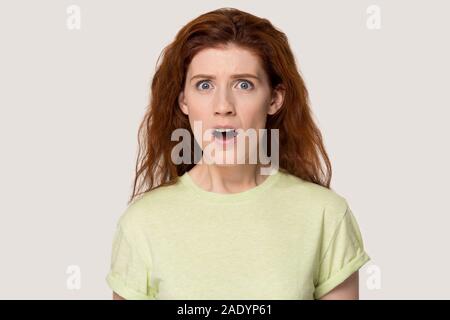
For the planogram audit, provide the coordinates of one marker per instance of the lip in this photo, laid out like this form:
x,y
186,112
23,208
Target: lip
x,y
224,142
225,126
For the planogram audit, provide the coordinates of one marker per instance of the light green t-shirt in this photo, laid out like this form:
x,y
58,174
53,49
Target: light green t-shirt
x,y
286,238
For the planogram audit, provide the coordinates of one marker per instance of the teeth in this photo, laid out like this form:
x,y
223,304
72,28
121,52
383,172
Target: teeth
x,y
224,130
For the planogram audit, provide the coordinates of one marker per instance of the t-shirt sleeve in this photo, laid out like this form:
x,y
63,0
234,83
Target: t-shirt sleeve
x,y
342,255
130,270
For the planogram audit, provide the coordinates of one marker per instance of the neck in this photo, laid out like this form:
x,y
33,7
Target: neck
x,y
227,179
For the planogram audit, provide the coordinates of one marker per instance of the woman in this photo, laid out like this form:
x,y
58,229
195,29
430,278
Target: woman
x,y
203,228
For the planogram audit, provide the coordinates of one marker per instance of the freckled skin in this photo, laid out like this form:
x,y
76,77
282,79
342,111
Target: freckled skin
x,y
243,102
228,85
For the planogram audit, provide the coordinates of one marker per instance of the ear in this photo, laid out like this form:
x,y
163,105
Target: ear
x,y
277,99
182,104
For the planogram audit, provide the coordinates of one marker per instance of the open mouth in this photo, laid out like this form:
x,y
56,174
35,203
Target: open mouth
x,y
224,134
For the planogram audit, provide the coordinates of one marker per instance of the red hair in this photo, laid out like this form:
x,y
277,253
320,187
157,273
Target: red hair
x,y
301,148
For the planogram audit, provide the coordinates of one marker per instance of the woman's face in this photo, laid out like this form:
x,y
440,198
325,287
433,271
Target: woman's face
x,y
227,87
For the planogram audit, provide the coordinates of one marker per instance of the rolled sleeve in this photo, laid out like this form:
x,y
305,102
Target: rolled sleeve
x,y
129,272
344,255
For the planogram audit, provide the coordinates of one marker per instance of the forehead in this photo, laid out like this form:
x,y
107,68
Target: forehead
x,y
226,60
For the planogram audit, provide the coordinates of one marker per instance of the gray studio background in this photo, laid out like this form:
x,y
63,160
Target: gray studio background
x,y
71,102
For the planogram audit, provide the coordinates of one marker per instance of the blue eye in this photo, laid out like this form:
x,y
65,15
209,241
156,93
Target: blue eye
x,y
202,84
248,85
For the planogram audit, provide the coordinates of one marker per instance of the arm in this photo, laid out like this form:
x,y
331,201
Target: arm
x,y
347,290
117,297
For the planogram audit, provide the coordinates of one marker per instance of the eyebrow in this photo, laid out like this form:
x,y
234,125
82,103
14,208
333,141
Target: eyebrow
x,y
234,76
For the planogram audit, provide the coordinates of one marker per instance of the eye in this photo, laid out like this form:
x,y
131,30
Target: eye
x,y
203,85
245,84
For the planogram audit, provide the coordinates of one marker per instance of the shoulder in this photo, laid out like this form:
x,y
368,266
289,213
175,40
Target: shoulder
x,y
330,205
147,205
311,192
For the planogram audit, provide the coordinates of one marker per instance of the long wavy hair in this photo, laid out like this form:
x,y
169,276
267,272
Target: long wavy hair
x,y
301,149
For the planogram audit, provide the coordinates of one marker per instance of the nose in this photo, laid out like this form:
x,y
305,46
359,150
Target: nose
x,y
224,104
